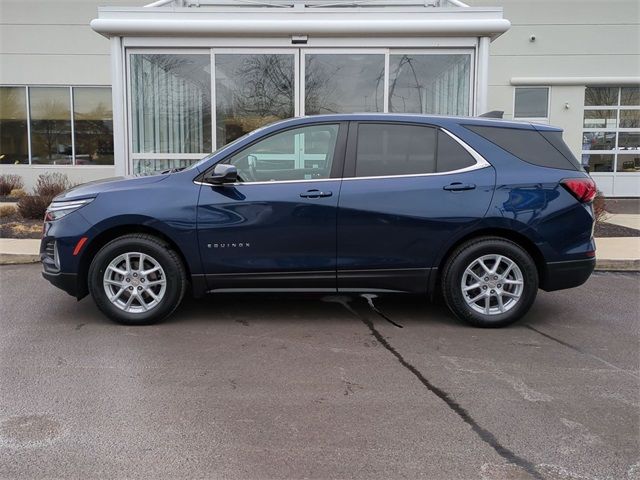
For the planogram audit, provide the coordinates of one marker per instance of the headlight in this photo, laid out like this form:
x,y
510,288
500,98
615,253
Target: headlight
x,y
58,210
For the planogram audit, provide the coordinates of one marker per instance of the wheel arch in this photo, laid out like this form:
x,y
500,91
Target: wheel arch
x,y
104,237
522,240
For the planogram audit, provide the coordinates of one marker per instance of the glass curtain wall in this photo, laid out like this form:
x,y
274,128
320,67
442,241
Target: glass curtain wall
x,y
170,108
429,83
50,125
251,91
14,141
343,83
173,106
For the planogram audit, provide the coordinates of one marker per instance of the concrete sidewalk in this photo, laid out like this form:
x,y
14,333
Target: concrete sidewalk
x,y
618,253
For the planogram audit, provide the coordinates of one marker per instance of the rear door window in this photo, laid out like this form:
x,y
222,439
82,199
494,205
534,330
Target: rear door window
x,y
451,155
388,149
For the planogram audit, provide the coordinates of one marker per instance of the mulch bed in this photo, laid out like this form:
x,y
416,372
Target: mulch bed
x,y
14,226
604,230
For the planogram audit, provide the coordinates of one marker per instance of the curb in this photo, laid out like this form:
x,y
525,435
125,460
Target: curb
x,y
18,258
605,265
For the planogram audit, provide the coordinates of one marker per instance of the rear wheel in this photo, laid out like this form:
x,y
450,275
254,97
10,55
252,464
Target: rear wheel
x,y
137,280
489,282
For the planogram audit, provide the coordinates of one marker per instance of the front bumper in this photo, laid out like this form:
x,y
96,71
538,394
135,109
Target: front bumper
x,y
64,281
568,274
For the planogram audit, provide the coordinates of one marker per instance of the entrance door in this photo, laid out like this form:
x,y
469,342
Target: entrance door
x,y
276,227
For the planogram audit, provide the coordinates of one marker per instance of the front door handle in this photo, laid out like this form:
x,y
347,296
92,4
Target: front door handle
x,y
315,194
458,186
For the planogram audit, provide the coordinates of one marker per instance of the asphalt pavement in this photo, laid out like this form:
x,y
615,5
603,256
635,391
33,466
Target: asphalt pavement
x,y
257,387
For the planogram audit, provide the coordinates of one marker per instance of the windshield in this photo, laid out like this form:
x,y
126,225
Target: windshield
x,y
225,147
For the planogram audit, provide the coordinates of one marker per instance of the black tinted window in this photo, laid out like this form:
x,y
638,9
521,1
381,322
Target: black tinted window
x,y
555,139
386,149
528,145
452,155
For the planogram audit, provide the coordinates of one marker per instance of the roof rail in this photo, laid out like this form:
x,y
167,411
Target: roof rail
x,y
309,3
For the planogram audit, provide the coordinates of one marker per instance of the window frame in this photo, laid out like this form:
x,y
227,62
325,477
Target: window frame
x,y
533,119
352,145
617,130
71,89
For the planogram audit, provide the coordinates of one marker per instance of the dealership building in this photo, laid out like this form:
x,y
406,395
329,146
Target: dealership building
x,y
100,88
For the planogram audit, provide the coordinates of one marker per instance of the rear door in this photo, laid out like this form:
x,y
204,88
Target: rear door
x,y
407,190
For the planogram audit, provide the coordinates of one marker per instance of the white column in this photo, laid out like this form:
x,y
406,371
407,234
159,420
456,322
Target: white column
x,y
482,82
118,99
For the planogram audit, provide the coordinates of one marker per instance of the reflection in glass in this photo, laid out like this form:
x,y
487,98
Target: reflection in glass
x,y
629,118
343,83
598,140
304,153
600,119
251,91
171,103
628,163
93,125
153,166
630,96
601,96
50,125
435,84
531,102
629,141
598,163
14,146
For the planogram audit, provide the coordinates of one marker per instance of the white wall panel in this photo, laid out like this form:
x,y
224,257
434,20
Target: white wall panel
x,y
55,69
48,39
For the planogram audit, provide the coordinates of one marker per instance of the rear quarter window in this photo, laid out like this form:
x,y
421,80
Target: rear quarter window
x,y
545,149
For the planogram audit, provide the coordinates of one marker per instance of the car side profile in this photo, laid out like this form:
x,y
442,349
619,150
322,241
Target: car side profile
x,y
485,211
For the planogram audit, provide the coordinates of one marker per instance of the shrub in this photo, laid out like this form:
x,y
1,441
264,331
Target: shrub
x,y
18,193
10,182
51,184
33,206
599,208
7,210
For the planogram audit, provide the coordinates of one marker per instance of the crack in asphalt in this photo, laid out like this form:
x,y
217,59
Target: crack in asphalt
x,y
485,435
579,350
369,299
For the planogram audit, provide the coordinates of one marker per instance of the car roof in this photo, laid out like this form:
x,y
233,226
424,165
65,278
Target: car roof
x,y
440,120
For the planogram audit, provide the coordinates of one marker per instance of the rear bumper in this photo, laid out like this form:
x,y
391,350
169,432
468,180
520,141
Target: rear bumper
x,y
64,281
569,274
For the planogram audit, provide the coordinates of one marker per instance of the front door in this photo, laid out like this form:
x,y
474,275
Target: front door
x,y
407,190
275,229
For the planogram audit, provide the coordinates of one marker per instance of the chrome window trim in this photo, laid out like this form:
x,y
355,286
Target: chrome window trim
x,y
481,162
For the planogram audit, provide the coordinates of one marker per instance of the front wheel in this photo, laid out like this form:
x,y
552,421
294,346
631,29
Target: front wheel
x,y
489,282
137,279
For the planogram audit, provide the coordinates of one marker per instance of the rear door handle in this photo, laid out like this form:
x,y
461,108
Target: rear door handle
x,y
315,194
457,186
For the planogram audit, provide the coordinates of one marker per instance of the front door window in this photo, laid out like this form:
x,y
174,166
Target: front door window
x,y
304,153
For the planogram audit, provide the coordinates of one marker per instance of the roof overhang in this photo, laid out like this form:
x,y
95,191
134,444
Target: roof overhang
x,y
326,22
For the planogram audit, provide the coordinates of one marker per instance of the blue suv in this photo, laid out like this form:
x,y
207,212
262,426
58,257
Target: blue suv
x,y
484,211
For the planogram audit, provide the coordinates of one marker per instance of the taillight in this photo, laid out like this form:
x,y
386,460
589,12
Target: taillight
x,y
584,189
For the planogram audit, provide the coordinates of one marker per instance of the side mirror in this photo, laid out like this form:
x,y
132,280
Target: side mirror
x,y
222,173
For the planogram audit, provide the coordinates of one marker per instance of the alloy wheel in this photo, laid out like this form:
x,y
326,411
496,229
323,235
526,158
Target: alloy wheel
x,y
492,284
135,282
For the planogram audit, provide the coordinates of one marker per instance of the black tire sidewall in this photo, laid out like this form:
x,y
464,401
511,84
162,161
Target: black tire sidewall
x,y
463,257
154,248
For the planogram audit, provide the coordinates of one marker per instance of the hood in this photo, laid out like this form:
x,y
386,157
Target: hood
x,y
91,189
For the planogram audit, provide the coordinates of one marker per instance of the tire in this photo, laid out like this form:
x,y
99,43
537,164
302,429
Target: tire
x,y
510,297
156,293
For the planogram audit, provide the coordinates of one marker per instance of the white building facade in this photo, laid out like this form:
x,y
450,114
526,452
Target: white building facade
x,y
131,89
